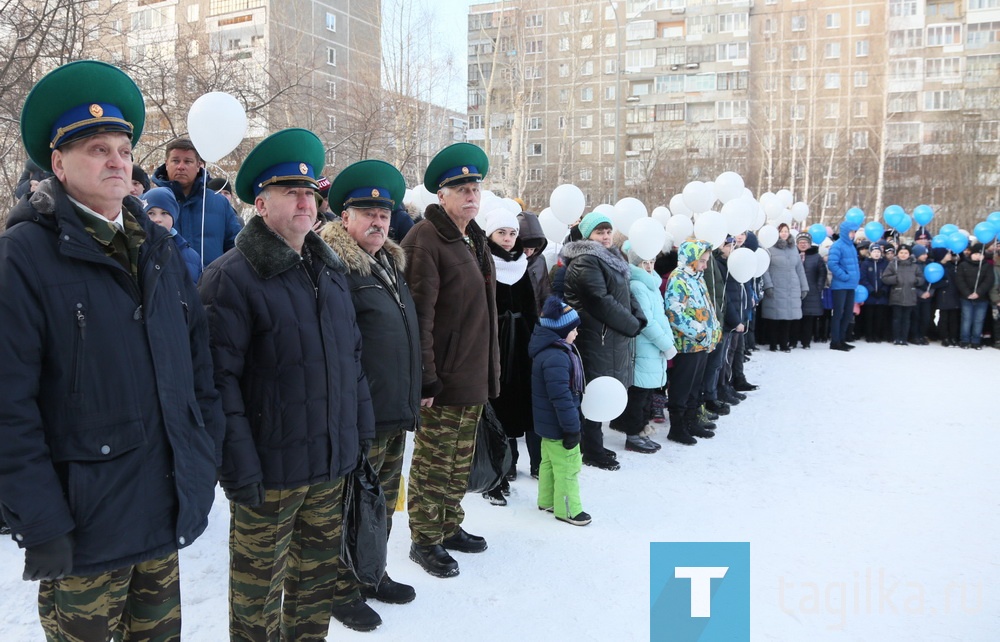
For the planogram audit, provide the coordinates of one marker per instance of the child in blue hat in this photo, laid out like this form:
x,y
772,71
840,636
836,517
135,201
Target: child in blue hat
x,y
162,208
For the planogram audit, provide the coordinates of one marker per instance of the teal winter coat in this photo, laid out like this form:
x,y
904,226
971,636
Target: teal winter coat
x,y
655,343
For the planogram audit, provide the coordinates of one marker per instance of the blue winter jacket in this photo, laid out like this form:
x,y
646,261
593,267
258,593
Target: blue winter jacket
x,y
655,343
191,259
555,407
871,278
843,260
112,427
221,222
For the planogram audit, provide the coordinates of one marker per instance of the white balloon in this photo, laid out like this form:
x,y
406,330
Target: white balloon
x,y
677,206
628,211
647,238
742,264
766,198
763,262
710,227
748,193
800,211
679,228
510,205
661,214
698,196
739,214
607,209
217,123
554,229
785,217
729,186
767,236
668,244
408,196
773,208
604,399
759,218
567,203
785,197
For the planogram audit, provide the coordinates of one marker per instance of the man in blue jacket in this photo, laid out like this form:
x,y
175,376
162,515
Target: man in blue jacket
x,y
207,220
843,265
111,426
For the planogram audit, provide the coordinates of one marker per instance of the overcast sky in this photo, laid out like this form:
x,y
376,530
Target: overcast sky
x,y
451,27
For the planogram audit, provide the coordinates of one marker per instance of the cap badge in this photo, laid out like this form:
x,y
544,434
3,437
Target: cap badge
x,y
303,169
465,170
96,110
375,193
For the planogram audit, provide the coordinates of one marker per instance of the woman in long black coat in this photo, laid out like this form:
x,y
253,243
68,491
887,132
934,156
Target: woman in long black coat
x,y
812,305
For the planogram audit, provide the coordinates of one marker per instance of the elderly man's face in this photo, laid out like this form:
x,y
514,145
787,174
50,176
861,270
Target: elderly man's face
x,y
97,171
289,211
368,226
461,202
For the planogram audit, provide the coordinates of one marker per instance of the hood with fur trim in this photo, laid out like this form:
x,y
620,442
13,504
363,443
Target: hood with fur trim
x,y
355,259
613,258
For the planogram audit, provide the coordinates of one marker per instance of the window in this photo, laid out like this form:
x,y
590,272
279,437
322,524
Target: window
x,y
699,82
564,95
976,67
942,100
672,31
609,92
859,140
562,122
860,109
830,199
535,174
899,8
733,51
770,25
476,121
943,35
643,144
610,40
770,83
193,13
586,174
533,20
798,23
904,133
943,68
640,30
731,139
831,109
906,39
331,21
863,18
564,44
331,56
533,47
903,102
477,97
904,69
563,18
771,54
982,34
331,122
532,72
732,80
797,141
608,147
586,15
640,59
797,82
535,98
671,111
587,121
983,4
586,147
610,66
700,25
987,131
861,78
701,53
534,149
798,112
731,22
534,123
831,81
587,69
831,50
798,52
833,21
587,94
861,48
728,109
829,140
331,89
564,70
587,42
609,119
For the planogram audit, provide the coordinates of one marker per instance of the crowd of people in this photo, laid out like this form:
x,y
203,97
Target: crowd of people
x,y
155,345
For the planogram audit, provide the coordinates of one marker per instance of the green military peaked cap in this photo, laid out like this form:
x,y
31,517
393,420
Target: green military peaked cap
x,y
456,164
77,100
367,183
292,157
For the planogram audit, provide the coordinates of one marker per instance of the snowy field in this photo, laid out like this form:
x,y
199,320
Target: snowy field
x,y
866,484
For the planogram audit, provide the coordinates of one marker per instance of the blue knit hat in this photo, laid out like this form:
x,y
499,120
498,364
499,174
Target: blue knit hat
x,y
559,317
591,221
163,198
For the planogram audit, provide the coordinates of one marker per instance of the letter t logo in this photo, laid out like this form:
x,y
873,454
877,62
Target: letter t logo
x,y
701,586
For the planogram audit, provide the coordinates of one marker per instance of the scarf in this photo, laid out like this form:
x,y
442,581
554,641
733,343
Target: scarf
x,y
576,366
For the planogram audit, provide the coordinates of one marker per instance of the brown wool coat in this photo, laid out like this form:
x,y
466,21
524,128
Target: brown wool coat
x,y
455,295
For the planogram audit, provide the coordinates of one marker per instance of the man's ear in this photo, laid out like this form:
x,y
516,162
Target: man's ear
x,y
57,164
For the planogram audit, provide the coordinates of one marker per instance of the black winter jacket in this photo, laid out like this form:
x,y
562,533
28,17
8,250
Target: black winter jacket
x,y
815,269
971,276
597,286
111,426
390,338
287,354
538,271
945,292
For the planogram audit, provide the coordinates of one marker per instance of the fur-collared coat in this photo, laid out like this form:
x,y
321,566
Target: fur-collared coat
x,y
454,288
390,336
597,286
287,353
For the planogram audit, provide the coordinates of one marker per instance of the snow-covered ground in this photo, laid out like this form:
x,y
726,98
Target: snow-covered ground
x,y
866,484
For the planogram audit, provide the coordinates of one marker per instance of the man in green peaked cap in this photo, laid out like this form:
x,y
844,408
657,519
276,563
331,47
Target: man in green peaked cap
x,y
365,195
112,425
451,275
287,355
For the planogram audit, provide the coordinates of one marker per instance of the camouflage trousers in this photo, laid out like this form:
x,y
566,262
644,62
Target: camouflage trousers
x,y
386,457
283,555
130,604
439,471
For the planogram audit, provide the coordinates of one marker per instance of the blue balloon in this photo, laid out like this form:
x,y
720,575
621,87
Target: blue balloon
x,y
817,232
948,229
893,215
904,224
994,218
923,214
957,242
933,272
874,231
855,216
984,232
941,240
860,294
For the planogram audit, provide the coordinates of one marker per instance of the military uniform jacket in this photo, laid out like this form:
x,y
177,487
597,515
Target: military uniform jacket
x,y
287,355
388,323
110,425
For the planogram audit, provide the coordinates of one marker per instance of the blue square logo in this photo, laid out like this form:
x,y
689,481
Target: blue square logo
x,y
699,592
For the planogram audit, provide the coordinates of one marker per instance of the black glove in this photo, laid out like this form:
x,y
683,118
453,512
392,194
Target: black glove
x,y
49,560
571,440
250,495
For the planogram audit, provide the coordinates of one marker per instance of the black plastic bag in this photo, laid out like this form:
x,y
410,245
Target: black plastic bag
x,y
492,456
363,549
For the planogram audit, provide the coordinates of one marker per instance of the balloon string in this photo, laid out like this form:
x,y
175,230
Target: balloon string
x,y
204,197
